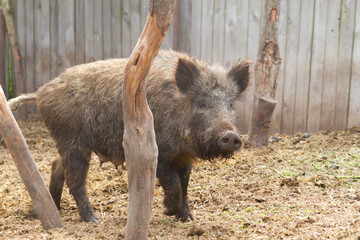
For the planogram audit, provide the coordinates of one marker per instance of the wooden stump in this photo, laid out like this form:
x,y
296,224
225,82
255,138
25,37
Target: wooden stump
x,y
43,203
267,69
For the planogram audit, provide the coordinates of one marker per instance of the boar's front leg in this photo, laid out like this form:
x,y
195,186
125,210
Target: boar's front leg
x,y
174,183
76,164
184,174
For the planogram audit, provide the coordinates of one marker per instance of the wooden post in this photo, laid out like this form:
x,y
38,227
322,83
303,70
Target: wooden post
x,y
139,137
266,72
19,83
43,203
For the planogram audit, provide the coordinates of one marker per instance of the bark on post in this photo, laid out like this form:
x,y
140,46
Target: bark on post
x,y
19,84
139,137
43,203
266,72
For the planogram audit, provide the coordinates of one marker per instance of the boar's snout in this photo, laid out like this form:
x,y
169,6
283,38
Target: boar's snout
x,y
230,142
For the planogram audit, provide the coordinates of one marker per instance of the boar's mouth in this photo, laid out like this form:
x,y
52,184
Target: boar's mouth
x,y
212,151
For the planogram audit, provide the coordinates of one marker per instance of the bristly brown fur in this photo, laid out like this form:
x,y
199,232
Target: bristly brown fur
x,y
192,105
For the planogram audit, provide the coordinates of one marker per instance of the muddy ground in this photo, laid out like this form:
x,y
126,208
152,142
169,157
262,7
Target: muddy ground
x,y
296,188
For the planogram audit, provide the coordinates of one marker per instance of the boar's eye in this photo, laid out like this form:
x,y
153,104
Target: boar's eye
x,y
202,105
231,105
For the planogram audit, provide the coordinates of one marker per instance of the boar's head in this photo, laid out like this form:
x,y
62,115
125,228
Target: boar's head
x,y
212,93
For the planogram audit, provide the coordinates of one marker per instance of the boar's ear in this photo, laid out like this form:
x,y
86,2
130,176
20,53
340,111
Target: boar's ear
x,y
241,74
186,73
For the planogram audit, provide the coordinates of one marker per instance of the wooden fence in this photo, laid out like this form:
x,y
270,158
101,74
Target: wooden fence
x,y
319,82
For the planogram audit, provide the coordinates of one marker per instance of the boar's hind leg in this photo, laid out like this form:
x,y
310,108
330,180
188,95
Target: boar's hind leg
x,y
57,180
76,164
175,190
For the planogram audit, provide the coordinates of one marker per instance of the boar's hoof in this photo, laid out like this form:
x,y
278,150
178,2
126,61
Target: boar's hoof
x,y
185,215
92,219
229,142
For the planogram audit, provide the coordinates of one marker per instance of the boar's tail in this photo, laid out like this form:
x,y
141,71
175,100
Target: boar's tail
x,y
15,103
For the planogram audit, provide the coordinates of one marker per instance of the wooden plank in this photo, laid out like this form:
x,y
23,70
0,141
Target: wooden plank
x,y
185,22
80,32
236,16
126,28
55,69
20,25
29,56
107,29
21,31
3,51
42,42
290,63
207,24
303,65
144,7
62,22
354,101
254,31
70,33
116,28
327,113
275,125
135,22
196,15
344,63
7,65
218,33
236,27
89,31
98,31
317,65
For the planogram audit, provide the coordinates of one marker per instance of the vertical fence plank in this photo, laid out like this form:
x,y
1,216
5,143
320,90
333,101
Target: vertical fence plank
x,y
21,31
317,65
42,42
207,29
290,63
230,53
327,113
63,62
135,22
29,57
275,125
89,33
254,30
218,34
126,28
185,25
196,15
344,63
303,65
80,32
98,31
107,29
235,45
116,28
3,51
54,38
354,101
7,65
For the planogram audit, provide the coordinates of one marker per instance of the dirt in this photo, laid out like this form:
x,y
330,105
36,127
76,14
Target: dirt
x,y
298,187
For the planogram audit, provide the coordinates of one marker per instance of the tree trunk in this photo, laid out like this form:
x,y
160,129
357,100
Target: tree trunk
x,y
266,72
139,137
19,83
43,203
